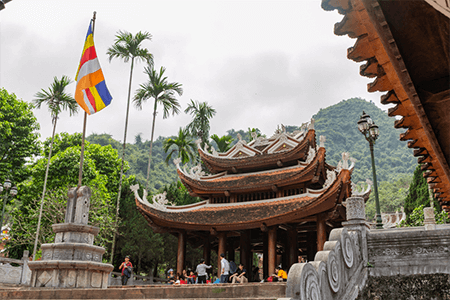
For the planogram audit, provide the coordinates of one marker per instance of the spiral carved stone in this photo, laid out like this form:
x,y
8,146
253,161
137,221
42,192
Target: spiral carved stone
x,y
310,284
334,269
347,248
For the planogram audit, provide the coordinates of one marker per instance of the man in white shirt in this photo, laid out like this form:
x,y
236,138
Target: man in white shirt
x,y
225,267
201,271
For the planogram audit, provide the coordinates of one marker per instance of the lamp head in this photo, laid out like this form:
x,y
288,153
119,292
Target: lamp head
x,y
364,122
7,184
13,191
374,131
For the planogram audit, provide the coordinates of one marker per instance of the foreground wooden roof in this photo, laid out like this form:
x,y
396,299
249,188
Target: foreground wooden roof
x,y
405,47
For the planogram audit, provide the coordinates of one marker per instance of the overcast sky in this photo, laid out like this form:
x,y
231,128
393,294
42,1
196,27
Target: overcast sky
x,y
258,63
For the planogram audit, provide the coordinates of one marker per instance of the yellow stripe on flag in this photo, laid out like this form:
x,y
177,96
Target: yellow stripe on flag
x,y
99,105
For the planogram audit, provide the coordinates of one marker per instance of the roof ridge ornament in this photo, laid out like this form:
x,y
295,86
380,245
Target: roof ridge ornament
x,y
358,188
343,164
311,124
322,140
311,155
197,172
177,162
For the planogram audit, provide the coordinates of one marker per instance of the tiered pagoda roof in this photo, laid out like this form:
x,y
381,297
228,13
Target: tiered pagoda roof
x,y
266,182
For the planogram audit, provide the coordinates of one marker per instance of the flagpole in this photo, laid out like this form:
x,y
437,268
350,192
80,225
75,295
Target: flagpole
x,y
80,174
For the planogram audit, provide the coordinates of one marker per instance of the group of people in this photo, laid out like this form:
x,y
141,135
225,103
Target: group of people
x,y
228,274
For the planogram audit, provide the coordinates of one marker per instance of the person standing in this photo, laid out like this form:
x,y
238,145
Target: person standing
x,y
201,271
225,269
126,268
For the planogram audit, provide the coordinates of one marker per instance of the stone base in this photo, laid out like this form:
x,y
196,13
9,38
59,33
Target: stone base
x,y
69,274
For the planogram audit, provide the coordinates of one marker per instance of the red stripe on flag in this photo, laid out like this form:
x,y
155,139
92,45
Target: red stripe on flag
x,y
91,99
89,54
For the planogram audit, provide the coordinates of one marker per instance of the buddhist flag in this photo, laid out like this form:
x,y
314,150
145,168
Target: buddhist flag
x,y
91,92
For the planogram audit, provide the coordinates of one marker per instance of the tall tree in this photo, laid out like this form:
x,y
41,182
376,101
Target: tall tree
x,y
126,46
57,101
223,143
163,93
184,146
201,114
18,136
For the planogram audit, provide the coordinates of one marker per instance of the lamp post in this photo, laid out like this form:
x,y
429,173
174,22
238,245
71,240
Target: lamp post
x,y
6,186
371,133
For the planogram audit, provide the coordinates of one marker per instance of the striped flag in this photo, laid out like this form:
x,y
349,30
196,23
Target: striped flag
x,y
91,92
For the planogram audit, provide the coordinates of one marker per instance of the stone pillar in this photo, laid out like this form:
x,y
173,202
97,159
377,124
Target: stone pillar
x,y
245,252
429,220
292,247
272,249
321,231
181,253
221,249
207,251
265,255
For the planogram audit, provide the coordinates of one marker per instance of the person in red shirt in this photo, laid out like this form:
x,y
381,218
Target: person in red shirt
x,y
126,268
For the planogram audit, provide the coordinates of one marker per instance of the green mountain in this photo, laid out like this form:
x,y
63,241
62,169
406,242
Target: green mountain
x,y
338,123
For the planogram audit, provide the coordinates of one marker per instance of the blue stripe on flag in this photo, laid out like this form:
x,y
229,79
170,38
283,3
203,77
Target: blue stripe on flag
x,y
103,92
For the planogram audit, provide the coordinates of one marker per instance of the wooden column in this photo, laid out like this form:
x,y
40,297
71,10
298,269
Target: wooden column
x,y
221,249
272,249
311,241
265,256
230,251
245,252
181,253
292,247
321,232
207,251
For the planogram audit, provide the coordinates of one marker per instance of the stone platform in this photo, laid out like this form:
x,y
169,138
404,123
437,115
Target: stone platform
x,y
259,291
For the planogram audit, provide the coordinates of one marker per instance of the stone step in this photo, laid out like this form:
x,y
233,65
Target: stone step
x,y
257,291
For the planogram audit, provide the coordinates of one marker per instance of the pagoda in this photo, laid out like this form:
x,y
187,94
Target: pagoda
x,y
275,196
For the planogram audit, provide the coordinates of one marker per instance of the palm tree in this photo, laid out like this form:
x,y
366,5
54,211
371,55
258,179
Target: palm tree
x,y
185,146
126,46
223,143
201,113
57,100
164,93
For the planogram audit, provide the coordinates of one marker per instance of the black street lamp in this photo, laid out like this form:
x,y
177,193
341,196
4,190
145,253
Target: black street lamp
x,y
371,133
6,186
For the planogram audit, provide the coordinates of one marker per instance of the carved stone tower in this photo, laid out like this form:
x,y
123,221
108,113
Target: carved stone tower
x,y
72,261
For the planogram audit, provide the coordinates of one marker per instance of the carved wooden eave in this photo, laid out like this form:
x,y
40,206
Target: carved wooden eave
x,y
405,47
251,158
204,216
201,186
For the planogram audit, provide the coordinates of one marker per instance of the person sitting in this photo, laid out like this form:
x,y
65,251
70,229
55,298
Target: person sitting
x,y
239,275
280,274
191,278
171,277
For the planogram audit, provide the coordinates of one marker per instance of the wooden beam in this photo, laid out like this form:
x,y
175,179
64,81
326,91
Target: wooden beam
x,y
321,232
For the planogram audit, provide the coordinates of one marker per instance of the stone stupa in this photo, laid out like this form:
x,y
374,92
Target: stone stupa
x,y
72,261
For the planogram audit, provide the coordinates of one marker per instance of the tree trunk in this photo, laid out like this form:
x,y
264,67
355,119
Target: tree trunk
x,y
151,143
123,160
45,187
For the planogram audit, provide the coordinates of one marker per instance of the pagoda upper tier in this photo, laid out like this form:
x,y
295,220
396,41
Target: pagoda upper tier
x,y
304,174
281,150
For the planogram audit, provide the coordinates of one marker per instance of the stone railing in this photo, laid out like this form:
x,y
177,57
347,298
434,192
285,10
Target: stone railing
x,y
15,275
115,279
339,271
